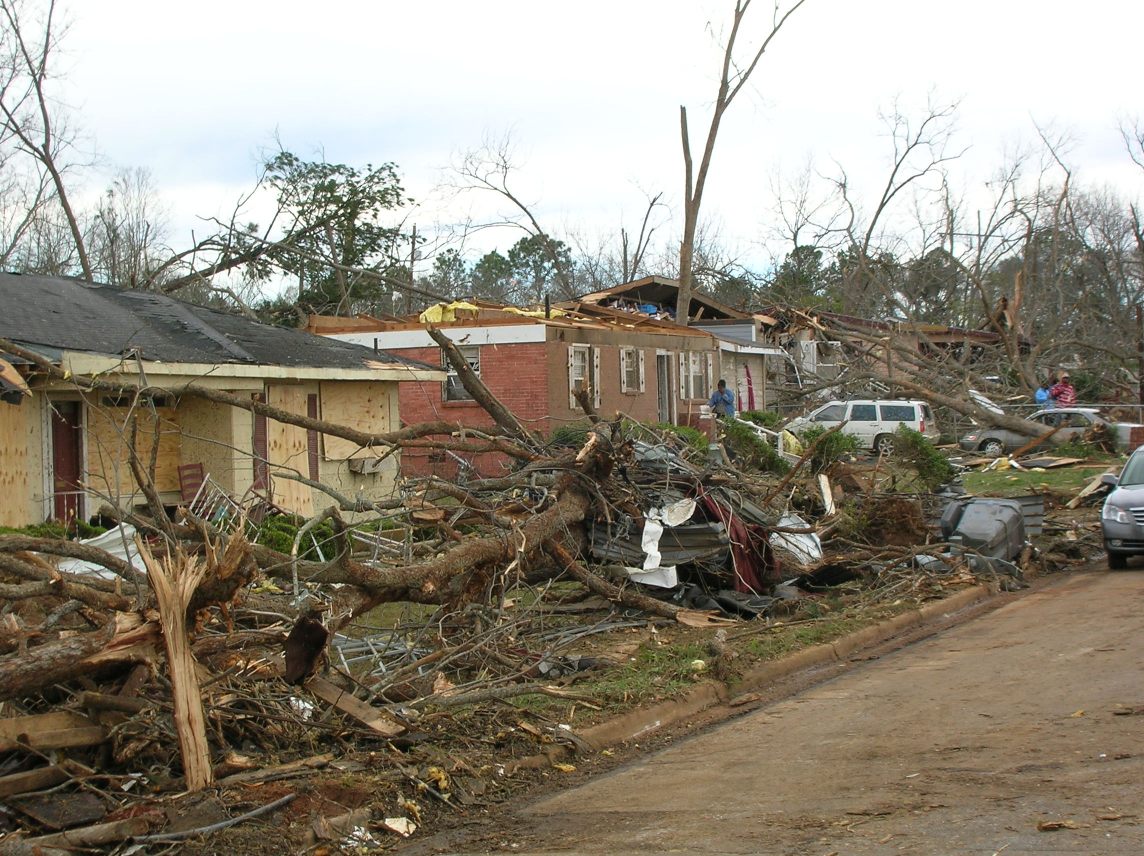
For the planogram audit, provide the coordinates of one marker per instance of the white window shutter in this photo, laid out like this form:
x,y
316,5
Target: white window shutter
x,y
571,382
710,373
624,355
596,378
683,374
643,387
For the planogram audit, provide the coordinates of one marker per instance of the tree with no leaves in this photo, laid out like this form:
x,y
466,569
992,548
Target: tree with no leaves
x,y
26,52
731,82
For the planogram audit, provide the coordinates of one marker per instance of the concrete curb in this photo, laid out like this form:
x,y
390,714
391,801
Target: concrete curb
x,y
642,721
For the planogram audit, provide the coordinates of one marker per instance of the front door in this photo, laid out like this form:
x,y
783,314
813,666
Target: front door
x,y
67,460
663,386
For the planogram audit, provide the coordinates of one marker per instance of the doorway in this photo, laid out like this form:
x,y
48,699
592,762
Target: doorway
x,y
67,460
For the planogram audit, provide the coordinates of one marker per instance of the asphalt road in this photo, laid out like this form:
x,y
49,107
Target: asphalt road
x,y
998,736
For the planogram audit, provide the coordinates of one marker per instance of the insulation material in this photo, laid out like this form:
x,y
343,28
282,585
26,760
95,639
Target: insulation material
x,y
286,447
364,406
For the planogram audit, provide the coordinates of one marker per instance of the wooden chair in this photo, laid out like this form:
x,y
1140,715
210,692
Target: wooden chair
x,y
191,478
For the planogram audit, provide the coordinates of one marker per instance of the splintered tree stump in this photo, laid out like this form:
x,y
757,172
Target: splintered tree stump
x,y
174,580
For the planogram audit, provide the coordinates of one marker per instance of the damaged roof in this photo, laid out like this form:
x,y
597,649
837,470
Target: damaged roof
x,y
53,314
664,292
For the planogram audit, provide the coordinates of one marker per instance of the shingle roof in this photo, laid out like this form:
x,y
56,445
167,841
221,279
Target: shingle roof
x,y
68,314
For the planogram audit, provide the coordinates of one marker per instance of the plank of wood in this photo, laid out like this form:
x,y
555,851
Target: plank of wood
x,y
1088,489
281,771
369,716
58,730
827,493
32,780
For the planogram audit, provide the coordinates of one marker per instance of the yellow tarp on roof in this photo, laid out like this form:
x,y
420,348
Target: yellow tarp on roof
x,y
535,313
445,313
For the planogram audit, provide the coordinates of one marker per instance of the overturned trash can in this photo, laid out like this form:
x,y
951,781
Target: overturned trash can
x,y
994,528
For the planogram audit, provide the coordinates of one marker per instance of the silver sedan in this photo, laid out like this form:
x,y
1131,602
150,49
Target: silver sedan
x,y
1075,422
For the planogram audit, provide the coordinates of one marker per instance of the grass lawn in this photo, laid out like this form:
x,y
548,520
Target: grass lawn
x,y
1063,480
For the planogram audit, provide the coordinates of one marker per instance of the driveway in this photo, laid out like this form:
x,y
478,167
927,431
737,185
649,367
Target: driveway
x,y
966,742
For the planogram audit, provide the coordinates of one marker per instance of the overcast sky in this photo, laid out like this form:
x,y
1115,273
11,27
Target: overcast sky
x,y
590,93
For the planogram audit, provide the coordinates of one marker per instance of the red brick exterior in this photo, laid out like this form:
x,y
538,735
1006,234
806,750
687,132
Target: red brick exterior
x,y
517,374
531,379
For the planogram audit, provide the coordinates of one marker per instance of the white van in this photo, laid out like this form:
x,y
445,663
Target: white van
x,y
872,421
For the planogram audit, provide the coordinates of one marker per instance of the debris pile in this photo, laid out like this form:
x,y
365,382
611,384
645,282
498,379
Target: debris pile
x,y
195,659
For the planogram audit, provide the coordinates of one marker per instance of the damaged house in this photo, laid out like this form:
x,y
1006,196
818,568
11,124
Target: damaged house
x,y
534,362
64,453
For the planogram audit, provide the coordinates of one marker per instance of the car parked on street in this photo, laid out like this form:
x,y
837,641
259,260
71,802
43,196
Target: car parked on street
x,y
872,421
1122,516
1075,422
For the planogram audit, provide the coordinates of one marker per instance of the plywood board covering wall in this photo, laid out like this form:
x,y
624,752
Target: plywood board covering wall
x,y
17,423
286,448
108,444
365,406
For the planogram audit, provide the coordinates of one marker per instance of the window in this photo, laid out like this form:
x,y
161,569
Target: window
x,y
863,413
631,370
454,389
833,413
583,372
695,371
898,413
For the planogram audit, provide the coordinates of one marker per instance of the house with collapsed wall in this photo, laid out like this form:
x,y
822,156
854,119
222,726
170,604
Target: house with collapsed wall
x,y
63,452
635,363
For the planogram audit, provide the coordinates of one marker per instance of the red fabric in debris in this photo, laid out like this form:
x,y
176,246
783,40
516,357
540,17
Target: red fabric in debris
x,y
751,555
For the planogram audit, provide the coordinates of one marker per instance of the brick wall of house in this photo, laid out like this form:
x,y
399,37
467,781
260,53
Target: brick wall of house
x,y
516,374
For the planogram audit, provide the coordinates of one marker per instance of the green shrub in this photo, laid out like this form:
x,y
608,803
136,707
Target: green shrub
x,y
278,532
751,449
693,438
78,529
913,450
831,446
766,418
572,435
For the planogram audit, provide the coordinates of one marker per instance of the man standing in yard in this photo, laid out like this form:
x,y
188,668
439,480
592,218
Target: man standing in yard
x,y
1063,392
722,401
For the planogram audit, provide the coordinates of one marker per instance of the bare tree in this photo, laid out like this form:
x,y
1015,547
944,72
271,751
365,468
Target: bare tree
x,y
26,65
489,168
732,80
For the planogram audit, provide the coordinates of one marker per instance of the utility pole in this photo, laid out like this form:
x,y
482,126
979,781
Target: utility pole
x,y
412,259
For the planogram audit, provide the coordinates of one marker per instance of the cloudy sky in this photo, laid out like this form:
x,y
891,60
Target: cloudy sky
x,y
589,92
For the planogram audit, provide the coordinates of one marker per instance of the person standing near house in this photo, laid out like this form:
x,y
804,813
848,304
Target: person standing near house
x,y
1063,392
722,401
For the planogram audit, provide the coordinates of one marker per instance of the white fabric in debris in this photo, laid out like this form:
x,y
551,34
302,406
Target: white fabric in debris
x,y
655,521
659,577
807,548
119,542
